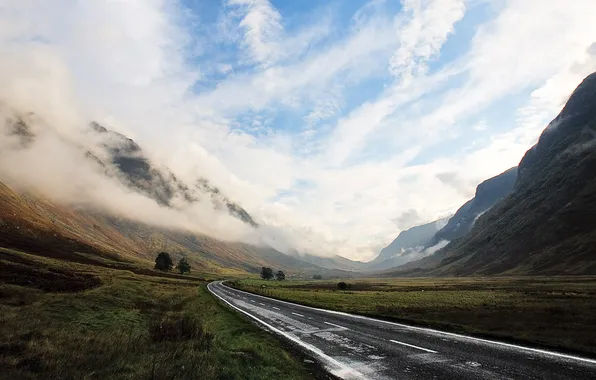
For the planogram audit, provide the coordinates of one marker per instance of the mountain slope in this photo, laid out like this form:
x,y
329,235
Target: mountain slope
x,y
407,246
488,193
547,225
34,224
137,171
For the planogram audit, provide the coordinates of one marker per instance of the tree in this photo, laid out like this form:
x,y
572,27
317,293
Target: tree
x,y
317,277
280,275
183,266
342,285
163,261
266,273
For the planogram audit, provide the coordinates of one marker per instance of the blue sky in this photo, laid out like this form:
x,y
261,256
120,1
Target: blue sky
x,y
335,123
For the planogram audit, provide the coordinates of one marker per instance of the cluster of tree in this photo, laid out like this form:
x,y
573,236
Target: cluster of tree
x,y
343,286
317,277
267,274
164,262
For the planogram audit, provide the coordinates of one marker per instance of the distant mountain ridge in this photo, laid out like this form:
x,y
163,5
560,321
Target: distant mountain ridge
x,y
423,240
406,247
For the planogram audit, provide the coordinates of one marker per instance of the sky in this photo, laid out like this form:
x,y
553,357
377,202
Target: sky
x,y
340,123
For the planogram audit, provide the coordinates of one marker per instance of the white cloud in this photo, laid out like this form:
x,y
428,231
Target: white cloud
x,y
262,27
422,28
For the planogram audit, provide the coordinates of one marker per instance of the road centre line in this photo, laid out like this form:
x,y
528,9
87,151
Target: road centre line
x,y
333,324
411,345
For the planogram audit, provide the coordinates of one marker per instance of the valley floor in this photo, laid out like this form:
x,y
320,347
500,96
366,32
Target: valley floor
x,y
65,320
555,312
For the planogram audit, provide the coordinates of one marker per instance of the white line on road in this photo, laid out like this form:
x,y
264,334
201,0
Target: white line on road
x,y
333,324
343,368
300,315
411,345
253,301
276,308
261,304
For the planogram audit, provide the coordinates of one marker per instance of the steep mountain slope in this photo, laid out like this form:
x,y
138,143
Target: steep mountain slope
x,y
488,193
138,172
37,225
407,246
547,225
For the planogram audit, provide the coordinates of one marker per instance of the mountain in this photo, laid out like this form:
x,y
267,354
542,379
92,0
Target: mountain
x,y
35,224
139,173
32,221
547,225
488,193
407,246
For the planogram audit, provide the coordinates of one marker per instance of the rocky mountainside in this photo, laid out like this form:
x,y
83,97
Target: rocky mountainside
x,y
139,173
547,225
488,193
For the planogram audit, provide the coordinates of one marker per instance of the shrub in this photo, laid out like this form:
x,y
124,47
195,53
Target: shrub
x,y
183,328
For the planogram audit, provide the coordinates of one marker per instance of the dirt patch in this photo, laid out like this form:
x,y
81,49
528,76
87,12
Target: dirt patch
x,y
48,279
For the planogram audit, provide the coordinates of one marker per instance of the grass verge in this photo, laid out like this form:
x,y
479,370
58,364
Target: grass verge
x,y
556,312
116,324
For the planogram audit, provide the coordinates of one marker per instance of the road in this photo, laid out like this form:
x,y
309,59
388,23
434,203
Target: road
x,y
356,347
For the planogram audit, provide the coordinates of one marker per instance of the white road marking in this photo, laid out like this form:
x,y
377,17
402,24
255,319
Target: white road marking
x,y
261,304
432,331
300,315
344,369
411,345
253,301
276,308
333,324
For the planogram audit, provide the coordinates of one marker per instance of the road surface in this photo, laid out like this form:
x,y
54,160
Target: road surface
x,y
356,347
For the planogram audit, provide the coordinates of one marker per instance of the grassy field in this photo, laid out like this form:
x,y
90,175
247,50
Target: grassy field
x,y
66,320
555,312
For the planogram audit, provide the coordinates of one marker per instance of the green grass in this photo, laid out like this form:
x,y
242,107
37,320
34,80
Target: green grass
x,y
556,312
125,326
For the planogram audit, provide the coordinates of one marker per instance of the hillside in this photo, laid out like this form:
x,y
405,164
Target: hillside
x,y
335,262
547,225
488,193
34,224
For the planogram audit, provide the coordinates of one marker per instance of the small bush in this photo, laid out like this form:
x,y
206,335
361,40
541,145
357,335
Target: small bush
x,y
342,285
179,329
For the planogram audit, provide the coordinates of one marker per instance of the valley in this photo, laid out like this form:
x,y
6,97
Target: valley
x,y
276,189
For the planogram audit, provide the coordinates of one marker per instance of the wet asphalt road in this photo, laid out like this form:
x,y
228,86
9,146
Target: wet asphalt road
x,y
355,347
